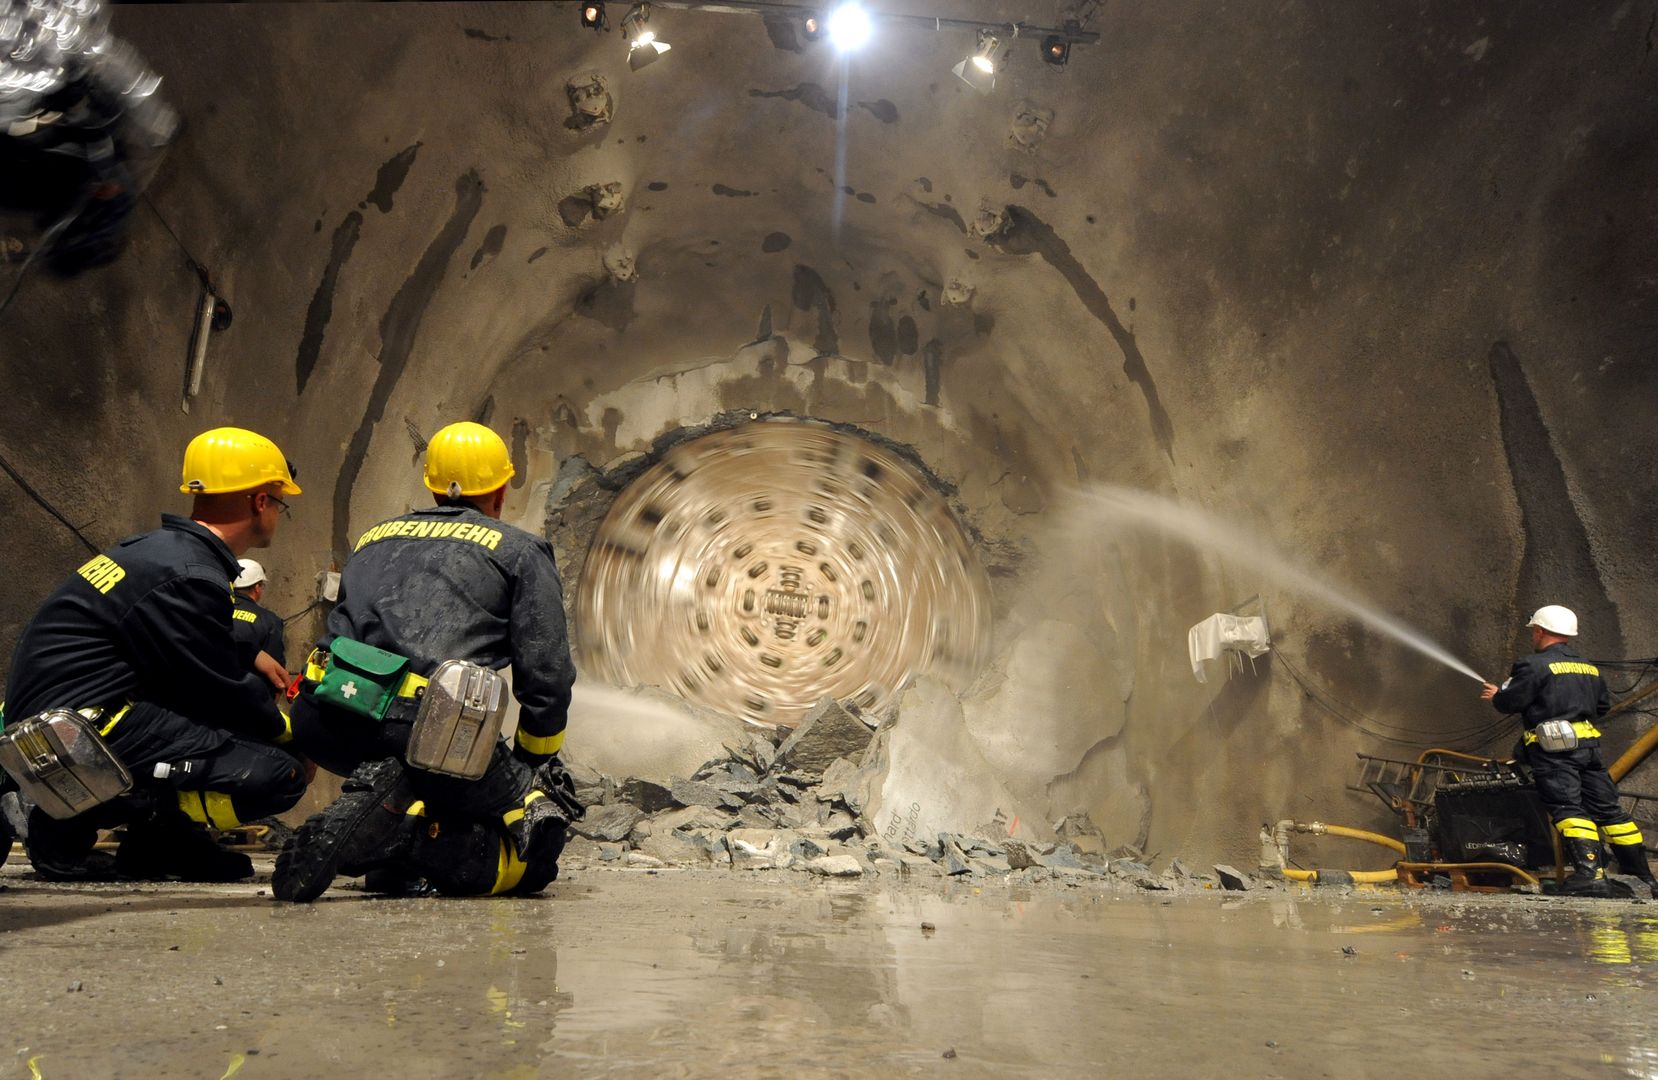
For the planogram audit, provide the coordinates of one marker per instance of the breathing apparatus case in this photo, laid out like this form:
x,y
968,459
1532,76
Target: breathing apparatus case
x,y
62,764
1556,736
461,711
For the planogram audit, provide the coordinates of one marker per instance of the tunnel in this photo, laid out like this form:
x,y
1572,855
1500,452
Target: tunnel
x,y
1338,279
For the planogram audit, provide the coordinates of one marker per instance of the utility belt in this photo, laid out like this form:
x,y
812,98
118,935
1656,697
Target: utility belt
x,y
1559,736
60,760
457,711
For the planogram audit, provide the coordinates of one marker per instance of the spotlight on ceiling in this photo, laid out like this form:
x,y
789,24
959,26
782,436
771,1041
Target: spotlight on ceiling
x,y
643,47
849,26
811,27
592,15
1056,49
979,70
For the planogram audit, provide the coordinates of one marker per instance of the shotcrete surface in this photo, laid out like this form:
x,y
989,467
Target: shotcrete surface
x,y
688,973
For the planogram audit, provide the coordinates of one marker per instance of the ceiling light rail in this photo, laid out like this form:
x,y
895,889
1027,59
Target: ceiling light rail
x,y
849,25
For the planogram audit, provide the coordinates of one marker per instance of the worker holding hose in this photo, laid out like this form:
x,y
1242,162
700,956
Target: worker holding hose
x,y
1558,696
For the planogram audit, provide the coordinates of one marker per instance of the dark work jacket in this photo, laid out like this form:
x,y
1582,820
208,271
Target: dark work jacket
x,y
147,620
453,583
1555,684
254,628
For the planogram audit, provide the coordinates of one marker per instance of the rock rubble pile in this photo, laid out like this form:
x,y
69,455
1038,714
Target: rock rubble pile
x,y
797,803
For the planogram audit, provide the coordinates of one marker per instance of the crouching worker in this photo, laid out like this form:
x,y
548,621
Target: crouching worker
x,y
257,629
128,704
404,698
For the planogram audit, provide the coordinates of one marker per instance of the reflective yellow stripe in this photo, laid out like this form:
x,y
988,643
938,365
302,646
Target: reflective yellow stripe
x,y
509,870
1578,828
513,817
194,806
1625,841
1621,829
416,809
287,735
1567,667
540,744
220,813
109,725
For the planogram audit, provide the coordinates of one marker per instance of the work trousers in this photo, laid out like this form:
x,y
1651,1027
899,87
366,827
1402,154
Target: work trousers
x,y
468,850
1580,796
340,741
219,779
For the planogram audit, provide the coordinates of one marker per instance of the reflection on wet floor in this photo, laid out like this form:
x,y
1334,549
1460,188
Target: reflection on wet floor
x,y
704,974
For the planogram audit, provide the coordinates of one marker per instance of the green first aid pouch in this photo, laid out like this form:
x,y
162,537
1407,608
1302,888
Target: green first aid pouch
x,y
361,679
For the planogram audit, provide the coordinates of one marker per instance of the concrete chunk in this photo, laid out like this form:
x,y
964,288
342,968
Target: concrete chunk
x,y
1083,834
592,787
608,822
697,793
647,795
836,866
827,732
840,775
1231,879
691,817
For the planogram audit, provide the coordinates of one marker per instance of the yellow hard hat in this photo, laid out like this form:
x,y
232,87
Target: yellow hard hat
x,y
466,459
234,459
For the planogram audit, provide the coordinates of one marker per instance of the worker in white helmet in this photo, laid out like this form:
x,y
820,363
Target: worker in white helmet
x,y
1558,696
255,628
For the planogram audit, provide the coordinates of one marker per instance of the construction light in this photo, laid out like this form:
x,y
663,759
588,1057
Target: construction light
x,y
592,15
1056,49
643,47
811,27
849,26
979,70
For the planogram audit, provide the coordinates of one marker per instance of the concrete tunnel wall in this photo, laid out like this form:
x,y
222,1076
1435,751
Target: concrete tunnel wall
x,y
1375,282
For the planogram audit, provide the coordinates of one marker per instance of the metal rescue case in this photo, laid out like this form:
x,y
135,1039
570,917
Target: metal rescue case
x,y
459,720
62,764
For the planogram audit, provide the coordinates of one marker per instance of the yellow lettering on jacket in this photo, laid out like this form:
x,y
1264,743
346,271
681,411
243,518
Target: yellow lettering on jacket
x,y
419,530
244,616
102,573
1571,667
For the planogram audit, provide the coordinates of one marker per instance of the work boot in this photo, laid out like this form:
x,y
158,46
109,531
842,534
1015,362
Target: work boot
x,y
62,850
399,881
1588,876
6,833
539,835
363,828
458,859
168,846
1632,860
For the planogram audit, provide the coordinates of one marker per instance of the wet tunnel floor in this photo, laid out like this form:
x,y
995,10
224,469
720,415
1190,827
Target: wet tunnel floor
x,y
687,973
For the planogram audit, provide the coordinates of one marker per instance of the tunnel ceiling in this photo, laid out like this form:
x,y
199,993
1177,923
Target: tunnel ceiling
x,y
760,569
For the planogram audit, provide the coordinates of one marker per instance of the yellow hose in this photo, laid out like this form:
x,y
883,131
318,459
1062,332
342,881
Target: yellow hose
x,y
1359,877
1361,834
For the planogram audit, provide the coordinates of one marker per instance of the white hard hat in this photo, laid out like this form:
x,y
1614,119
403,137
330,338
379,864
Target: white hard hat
x,y
252,574
1556,620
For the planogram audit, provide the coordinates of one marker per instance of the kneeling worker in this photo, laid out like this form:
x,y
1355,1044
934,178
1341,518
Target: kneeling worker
x,y
1558,697
436,595
136,643
256,628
